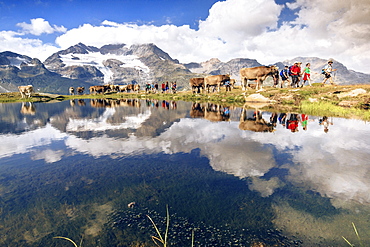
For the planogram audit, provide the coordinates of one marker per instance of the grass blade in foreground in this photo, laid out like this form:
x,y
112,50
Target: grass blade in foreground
x,y
70,240
358,236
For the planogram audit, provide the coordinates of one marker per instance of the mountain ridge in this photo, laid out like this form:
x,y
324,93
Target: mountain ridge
x,y
82,65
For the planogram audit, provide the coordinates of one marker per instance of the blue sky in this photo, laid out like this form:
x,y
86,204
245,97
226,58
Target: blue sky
x,y
194,30
72,13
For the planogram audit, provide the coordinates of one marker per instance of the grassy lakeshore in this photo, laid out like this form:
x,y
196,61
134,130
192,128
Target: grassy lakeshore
x,y
334,101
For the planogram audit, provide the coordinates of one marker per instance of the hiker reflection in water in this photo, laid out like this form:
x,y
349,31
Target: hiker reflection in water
x,y
257,115
325,122
273,118
304,121
282,118
292,122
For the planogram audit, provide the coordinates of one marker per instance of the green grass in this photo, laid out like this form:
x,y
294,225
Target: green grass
x,y
329,109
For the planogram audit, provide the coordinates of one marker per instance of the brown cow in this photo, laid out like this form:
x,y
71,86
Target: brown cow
x,y
232,83
197,110
196,83
122,88
211,112
81,102
136,88
259,74
26,91
133,87
99,89
28,109
128,102
114,88
105,103
255,123
80,90
215,81
216,113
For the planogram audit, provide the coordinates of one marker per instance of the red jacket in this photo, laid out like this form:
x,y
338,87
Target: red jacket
x,y
295,70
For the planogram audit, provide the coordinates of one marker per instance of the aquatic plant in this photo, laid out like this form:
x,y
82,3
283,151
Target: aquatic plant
x,y
163,239
160,238
358,236
70,240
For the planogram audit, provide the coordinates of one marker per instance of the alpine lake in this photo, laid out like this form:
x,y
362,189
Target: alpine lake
x,y
92,171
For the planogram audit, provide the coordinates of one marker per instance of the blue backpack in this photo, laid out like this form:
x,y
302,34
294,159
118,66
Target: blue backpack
x,y
282,72
290,70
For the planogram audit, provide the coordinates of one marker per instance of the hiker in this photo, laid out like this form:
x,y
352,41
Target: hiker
x,y
307,75
167,87
147,88
284,74
326,71
228,85
173,87
295,72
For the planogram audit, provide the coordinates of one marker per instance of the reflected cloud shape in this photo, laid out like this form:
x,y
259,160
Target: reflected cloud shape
x,y
50,156
101,123
265,187
106,146
228,148
24,143
335,164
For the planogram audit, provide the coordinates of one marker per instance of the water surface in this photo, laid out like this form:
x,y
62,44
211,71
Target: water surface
x,y
233,176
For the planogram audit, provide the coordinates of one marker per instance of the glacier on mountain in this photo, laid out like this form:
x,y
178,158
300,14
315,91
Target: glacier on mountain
x,y
97,59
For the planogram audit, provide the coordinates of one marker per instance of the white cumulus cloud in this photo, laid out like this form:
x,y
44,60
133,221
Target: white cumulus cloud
x,y
239,28
39,26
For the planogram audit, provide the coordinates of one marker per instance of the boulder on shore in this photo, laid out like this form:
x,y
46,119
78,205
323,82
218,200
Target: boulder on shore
x,y
257,98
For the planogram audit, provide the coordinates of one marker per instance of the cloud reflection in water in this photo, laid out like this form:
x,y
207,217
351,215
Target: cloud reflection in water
x,y
335,164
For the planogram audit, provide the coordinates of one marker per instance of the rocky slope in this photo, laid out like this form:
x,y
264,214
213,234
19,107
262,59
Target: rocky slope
x,y
16,70
117,64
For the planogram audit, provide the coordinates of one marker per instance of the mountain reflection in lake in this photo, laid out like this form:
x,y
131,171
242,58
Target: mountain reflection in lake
x,y
236,177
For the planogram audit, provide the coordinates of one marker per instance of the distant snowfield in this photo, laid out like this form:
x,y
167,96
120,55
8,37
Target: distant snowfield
x,y
16,61
96,59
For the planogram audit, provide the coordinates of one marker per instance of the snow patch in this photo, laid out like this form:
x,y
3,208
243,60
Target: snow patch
x,y
16,61
96,59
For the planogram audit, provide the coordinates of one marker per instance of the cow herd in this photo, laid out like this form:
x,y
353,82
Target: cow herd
x,y
101,89
206,84
213,81
218,113
258,74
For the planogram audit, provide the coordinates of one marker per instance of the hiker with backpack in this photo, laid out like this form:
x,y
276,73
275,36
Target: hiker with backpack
x,y
295,73
284,74
326,71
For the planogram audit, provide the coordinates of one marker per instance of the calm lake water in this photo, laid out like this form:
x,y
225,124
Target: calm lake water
x,y
230,176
